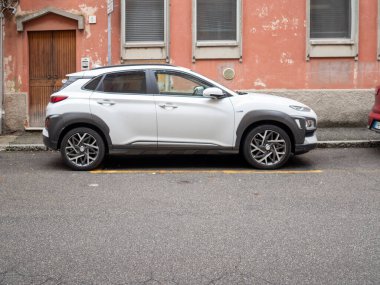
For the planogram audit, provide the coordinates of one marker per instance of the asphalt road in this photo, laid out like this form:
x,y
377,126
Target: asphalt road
x,y
191,220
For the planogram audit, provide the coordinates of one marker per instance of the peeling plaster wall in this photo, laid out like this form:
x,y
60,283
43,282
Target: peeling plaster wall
x,y
91,42
274,50
274,59
274,35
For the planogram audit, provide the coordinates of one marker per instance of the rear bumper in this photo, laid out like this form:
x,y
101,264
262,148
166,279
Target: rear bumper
x,y
47,141
309,144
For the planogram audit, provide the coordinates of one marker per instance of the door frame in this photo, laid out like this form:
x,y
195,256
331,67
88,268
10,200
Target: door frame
x,y
49,19
52,67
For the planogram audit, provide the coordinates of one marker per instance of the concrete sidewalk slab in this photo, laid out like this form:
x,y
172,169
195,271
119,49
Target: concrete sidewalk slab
x,y
23,141
6,140
347,134
347,138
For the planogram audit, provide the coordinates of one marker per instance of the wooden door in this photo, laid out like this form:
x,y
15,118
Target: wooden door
x,y
51,57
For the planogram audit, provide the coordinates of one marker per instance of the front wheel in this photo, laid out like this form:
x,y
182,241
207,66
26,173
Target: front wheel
x,y
82,149
267,147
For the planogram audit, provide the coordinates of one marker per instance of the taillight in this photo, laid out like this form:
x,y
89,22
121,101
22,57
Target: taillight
x,y
56,99
377,91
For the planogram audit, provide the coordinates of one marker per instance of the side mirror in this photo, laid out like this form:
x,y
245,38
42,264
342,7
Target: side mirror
x,y
213,92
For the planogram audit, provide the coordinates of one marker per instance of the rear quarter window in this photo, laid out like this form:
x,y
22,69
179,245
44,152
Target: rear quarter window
x,y
93,84
69,81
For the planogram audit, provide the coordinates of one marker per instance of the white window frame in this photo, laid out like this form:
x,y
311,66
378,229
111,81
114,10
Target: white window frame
x,y
334,47
146,50
218,49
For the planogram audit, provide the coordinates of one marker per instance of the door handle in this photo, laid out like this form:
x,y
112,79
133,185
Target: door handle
x,y
168,106
106,102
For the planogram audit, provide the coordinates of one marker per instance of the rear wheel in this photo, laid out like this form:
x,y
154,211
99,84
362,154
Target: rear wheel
x,y
267,147
82,149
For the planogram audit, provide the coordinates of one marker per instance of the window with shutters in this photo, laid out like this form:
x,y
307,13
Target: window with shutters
x,y
217,29
145,29
332,28
216,20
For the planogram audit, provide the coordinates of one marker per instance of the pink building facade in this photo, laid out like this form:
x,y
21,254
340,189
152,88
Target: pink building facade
x,y
324,53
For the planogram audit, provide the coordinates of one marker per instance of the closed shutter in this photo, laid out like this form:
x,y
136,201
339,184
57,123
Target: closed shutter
x,y
330,19
144,20
216,20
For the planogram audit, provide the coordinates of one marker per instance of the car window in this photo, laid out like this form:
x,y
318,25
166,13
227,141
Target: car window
x,y
69,81
93,84
126,82
179,84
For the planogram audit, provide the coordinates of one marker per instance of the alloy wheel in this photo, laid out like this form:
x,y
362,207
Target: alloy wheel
x,y
268,147
82,149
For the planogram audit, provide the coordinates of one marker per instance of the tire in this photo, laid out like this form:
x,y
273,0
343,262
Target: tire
x,y
267,147
82,149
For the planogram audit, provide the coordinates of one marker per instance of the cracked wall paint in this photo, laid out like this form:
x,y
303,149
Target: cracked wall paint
x,y
281,23
86,11
286,58
19,80
7,66
97,61
262,12
259,83
9,78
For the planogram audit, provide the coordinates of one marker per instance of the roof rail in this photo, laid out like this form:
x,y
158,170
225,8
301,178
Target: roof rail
x,y
122,65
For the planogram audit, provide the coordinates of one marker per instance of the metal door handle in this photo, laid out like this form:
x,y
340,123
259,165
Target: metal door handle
x,y
106,102
168,106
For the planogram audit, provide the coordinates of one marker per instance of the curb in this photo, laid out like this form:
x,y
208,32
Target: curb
x,y
349,144
23,147
320,144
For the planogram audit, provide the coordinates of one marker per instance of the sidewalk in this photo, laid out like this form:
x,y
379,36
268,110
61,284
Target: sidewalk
x,y
327,138
23,141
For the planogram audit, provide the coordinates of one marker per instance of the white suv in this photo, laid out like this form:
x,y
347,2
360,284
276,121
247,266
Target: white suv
x,y
163,107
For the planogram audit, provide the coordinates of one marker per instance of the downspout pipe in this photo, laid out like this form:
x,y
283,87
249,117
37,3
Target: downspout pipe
x,y
1,70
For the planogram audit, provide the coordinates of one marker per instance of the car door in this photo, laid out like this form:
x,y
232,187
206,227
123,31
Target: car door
x,y
121,100
185,118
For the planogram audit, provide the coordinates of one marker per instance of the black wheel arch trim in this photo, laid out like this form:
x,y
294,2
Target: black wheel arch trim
x,y
58,124
266,116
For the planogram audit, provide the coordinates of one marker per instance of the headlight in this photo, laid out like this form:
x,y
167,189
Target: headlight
x,y
310,124
300,108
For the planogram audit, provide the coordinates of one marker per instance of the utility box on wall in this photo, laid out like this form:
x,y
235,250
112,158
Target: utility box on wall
x,y
85,63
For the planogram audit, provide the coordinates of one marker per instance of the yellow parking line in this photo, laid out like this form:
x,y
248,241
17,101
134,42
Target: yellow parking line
x,y
224,171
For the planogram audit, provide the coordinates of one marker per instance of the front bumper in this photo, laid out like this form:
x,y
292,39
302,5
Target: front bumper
x,y
374,122
309,144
